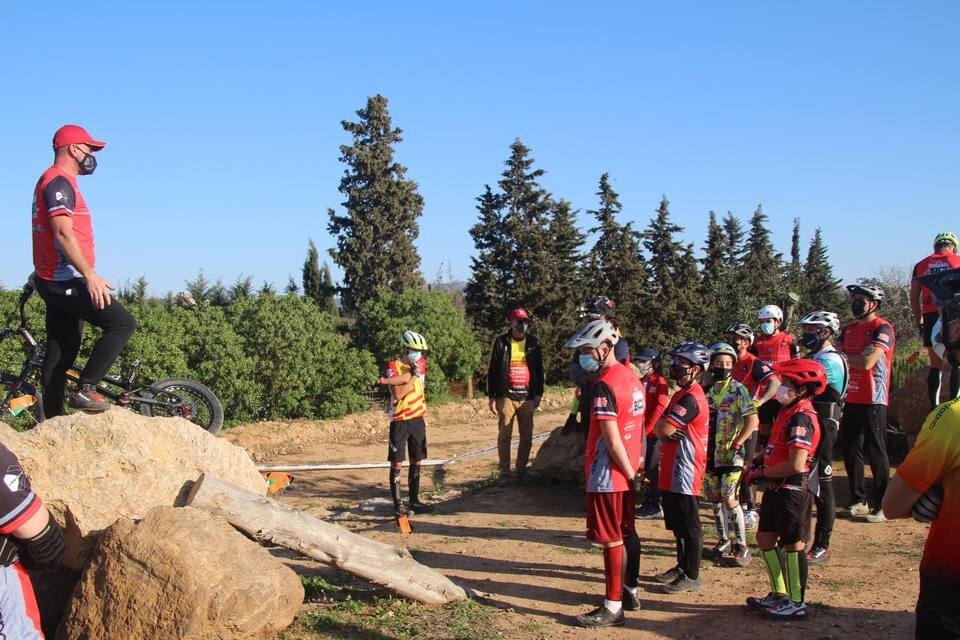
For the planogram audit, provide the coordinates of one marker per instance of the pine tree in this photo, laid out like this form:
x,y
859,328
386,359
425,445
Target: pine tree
x,y
242,288
821,287
714,266
761,263
665,319
292,287
793,282
312,278
485,294
375,237
732,240
328,300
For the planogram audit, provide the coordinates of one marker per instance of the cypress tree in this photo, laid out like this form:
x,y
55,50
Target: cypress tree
x,y
375,236
822,288
328,300
312,278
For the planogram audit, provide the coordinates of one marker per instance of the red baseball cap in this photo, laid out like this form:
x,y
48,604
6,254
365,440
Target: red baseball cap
x,y
75,134
519,314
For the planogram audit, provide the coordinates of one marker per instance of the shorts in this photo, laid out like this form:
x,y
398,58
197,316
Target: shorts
x,y
681,513
929,319
768,411
407,435
938,608
722,483
610,516
787,512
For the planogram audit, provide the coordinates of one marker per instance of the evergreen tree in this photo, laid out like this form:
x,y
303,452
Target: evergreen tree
x,y
714,266
375,237
200,288
242,288
312,277
761,264
292,287
485,294
732,240
716,279
666,320
793,282
328,292
822,289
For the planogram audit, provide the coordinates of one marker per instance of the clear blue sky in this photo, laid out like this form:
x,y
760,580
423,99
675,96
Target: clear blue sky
x,y
223,120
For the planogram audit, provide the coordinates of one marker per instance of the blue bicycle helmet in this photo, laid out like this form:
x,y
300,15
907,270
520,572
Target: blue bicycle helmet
x,y
695,352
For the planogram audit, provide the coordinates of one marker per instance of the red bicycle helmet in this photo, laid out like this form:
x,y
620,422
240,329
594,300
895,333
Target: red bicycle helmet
x,y
802,372
520,314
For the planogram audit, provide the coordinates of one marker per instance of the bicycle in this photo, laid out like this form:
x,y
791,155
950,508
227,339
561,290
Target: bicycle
x,y
22,395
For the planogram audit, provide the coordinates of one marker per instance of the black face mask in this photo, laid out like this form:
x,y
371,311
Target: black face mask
x,y
811,341
859,308
88,164
720,373
677,372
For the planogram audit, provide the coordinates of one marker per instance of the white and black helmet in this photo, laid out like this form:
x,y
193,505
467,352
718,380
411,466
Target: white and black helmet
x,y
593,334
770,312
826,319
873,292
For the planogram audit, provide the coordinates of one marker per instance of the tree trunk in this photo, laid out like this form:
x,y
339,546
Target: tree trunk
x,y
267,520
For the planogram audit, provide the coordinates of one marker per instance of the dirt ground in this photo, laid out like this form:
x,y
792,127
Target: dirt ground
x,y
521,548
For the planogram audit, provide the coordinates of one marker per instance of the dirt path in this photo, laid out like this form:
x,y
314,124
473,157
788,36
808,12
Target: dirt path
x,y
522,547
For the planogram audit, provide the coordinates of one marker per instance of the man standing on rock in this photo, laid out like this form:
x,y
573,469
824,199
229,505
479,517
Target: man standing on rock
x,y
29,539
614,454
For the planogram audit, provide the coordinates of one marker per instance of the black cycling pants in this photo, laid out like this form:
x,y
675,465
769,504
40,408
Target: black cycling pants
x,y
863,430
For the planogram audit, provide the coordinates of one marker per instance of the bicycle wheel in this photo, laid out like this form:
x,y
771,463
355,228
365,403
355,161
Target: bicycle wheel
x,y
24,409
185,399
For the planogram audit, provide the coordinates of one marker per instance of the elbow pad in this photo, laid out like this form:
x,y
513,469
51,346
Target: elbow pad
x,y
44,550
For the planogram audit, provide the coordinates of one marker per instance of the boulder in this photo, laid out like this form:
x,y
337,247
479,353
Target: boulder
x,y
560,457
180,573
909,404
92,469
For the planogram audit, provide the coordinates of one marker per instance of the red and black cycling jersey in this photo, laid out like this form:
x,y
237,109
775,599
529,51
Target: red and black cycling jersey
x,y
683,456
776,348
751,372
869,386
934,263
657,396
57,194
797,426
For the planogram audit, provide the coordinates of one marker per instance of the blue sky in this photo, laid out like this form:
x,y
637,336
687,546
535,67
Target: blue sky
x,y
223,120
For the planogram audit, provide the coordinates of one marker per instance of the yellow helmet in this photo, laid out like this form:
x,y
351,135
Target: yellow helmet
x,y
946,236
413,340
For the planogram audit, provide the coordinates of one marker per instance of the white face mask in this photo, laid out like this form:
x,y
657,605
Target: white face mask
x,y
785,395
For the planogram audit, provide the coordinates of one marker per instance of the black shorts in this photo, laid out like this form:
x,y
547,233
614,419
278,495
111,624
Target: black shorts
x,y
929,319
681,513
407,434
768,411
787,513
938,608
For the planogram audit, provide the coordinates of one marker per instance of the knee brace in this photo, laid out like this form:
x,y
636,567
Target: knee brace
x,y
44,550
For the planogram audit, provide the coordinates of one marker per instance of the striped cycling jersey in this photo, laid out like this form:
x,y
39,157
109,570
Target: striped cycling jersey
x,y
683,456
869,386
617,395
408,400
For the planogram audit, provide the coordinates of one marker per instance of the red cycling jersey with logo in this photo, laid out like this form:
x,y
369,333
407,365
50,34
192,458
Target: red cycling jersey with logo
x,y
797,426
869,386
57,194
683,456
658,395
934,263
775,348
751,372
617,395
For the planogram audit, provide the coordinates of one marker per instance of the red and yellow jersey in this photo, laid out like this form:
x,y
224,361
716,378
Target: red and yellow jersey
x,y
869,386
408,400
657,397
934,263
797,426
57,194
935,460
683,456
616,395
773,349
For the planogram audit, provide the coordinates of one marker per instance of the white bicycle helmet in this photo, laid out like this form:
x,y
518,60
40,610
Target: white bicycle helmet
x,y
770,311
413,340
593,334
823,319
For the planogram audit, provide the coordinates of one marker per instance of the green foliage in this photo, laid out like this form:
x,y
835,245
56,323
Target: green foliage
x,y
375,236
822,289
453,354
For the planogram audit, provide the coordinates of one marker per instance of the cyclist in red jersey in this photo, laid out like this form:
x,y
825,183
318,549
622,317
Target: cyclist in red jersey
x,y
787,504
650,365
614,454
868,343
924,308
773,345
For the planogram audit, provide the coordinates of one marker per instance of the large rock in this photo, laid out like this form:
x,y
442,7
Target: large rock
x,y
92,469
560,457
909,405
180,573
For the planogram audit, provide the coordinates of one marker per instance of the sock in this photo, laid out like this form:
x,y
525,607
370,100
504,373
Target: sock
x,y
395,485
612,566
954,382
740,529
720,517
632,566
804,569
933,386
613,606
772,558
793,576
413,482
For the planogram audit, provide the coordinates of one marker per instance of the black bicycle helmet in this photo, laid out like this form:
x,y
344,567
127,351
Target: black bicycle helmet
x,y
601,306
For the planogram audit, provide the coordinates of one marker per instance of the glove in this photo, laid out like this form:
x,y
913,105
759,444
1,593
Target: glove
x,y
679,434
927,506
754,474
737,459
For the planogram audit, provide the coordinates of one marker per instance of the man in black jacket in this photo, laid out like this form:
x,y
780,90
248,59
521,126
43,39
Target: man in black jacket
x,y
514,389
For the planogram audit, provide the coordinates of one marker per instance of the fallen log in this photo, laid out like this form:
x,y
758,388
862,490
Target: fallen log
x,y
265,519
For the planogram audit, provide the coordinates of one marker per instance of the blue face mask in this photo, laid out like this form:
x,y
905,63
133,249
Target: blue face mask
x,y
413,356
767,328
588,363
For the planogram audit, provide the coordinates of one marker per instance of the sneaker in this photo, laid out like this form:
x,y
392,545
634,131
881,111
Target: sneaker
x,y
741,555
650,511
505,479
399,509
684,584
601,617
818,555
720,549
770,600
751,519
875,517
668,576
629,600
420,507
786,609
85,398
857,509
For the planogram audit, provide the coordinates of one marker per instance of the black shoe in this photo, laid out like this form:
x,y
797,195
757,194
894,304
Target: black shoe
x,y
420,507
683,584
630,601
650,511
719,550
601,617
668,576
399,509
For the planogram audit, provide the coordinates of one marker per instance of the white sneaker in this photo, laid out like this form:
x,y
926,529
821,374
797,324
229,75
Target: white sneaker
x,y
857,509
751,519
786,609
875,517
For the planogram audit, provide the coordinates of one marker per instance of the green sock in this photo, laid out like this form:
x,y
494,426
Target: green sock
x,y
773,568
793,576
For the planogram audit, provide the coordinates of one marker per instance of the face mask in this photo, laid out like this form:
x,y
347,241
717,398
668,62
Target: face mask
x,y
785,395
588,363
413,356
859,308
767,328
88,164
811,341
678,372
644,368
721,373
